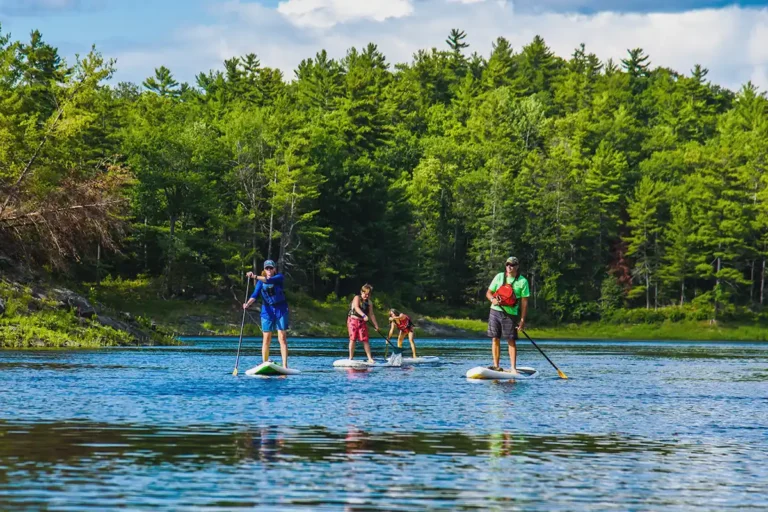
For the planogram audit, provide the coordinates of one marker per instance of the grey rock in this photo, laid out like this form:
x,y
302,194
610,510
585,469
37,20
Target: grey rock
x,y
2,306
77,302
122,326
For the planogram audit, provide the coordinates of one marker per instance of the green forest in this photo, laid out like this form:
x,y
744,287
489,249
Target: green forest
x,y
627,191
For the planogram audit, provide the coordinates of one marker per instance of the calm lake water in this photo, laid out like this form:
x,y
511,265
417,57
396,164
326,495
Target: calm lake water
x,y
638,426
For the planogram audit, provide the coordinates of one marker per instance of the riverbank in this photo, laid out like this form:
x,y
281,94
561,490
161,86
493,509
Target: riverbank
x,y
683,330
37,314
133,312
216,316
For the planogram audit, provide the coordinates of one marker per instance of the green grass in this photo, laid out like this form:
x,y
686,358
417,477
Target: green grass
x,y
309,317
46,326
217,316
142,298
683,330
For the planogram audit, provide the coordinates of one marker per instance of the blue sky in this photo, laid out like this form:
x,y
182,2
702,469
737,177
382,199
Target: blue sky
x,y
189,36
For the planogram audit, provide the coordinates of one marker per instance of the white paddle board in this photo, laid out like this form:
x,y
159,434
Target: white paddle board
x,y
483,373
270,368
421,360
358,364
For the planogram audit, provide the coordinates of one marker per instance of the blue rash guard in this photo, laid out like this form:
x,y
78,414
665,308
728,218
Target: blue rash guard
x,y
274,306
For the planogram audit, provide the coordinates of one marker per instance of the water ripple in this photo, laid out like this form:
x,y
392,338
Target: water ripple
x,y
641,427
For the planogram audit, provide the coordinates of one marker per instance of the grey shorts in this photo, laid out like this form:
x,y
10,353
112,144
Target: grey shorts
x,y
502,325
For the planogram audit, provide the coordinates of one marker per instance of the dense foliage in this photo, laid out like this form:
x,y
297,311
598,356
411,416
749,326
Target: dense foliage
x,y
616,184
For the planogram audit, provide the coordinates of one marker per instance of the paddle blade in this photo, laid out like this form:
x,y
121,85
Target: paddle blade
x,y
235,372
562,375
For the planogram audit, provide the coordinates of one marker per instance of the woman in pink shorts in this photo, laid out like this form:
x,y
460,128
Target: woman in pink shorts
x,y
360,310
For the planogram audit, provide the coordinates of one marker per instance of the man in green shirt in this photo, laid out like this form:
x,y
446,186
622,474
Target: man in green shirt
x,y
505,321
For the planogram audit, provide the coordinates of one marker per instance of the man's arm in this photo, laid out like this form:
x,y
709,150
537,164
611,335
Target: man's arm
x,y
255,295
275,279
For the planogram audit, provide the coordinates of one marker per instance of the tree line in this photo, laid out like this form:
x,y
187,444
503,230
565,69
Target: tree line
x,y
617,184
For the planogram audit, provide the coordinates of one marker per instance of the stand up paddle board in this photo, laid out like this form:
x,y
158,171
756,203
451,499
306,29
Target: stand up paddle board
x,y
358,364
270,368
421,360
483,373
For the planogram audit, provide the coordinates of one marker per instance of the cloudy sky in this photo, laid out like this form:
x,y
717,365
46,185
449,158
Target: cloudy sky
x,y
189,36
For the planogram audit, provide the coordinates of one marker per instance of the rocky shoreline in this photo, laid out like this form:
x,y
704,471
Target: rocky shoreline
x,y
31,312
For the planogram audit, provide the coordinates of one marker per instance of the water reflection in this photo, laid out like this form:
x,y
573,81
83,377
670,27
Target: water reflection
x,y
99,464
73,443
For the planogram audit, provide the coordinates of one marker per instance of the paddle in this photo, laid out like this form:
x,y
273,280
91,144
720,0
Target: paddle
x,y
254,320
559,372
242,326
395,350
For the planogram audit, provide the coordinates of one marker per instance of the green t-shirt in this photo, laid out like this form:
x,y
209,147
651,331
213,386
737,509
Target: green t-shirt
x,y
519,285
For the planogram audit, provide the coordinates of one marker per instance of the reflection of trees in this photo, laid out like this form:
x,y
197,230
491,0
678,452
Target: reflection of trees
x,y
80,444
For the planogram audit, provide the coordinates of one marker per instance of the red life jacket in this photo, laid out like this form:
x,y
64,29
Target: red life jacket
x,y
506,293
404,324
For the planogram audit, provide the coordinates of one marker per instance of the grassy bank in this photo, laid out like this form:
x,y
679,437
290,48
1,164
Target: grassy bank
x,y
311,317
683,330
206,315
33,319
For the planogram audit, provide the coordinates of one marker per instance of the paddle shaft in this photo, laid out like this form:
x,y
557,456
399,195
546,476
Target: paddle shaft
x,y
254,320
242,326
559,372
396,350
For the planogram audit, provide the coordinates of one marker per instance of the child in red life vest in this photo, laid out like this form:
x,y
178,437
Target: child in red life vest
x,y
404,325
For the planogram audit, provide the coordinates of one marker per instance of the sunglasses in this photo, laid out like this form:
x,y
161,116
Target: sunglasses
x,y
512,264
269,268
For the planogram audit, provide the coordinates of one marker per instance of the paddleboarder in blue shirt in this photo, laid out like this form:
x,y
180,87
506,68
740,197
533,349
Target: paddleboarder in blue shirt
x,y
274,309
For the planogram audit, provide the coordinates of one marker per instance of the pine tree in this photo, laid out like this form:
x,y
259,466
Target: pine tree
x,y
502,67
680,255
163,83
638,69
643,239
537,68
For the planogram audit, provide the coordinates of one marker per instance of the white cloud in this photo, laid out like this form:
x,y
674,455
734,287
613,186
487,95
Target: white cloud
x,y
327,13
731,42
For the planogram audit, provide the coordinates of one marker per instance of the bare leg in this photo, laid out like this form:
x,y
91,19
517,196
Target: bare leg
x,y
265,346
496,350
413,344
351,350
512,355
367,347
400,337
282,337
